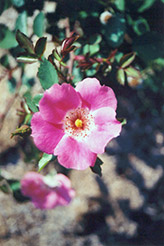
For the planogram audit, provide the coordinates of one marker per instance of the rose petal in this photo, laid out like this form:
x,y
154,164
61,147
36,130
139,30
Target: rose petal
x,y
73,154
64,191
31,182
57,101
47,200
46,135
107,128
96,96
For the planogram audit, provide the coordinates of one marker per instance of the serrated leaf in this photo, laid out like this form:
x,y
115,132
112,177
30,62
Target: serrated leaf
x,y
127,59
121,76
29,102
97,167
39,24
27,58
25,42
21,22
46,158
40,46
47,74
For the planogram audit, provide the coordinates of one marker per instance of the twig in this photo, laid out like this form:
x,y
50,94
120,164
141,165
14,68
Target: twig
x,y
72,56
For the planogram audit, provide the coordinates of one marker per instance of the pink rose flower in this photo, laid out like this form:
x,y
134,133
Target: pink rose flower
x,y
44,194
76,124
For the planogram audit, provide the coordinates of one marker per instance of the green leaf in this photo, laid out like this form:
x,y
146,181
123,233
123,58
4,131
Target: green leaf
x,y
7,38
91,49
91,71
132,72
95,39
18,3
29,102
21,22
39,24
121,76
22,131
25,42
40,46
47,74
4,61
114,30
141,26
127,59
146,5
37,98
12,84
120,4
14,185
29,82
44,161
122,120
5,188
97,167
149,46
27,58
77,74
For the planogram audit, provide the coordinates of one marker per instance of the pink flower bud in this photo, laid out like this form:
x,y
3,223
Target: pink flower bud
x,y
44,195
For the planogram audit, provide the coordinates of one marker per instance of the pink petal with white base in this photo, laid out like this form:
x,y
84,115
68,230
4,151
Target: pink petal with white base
x,y
57,101
96,96
107,128
73,154
46,135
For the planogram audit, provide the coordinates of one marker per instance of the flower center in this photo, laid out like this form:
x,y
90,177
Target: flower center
x,y
78,123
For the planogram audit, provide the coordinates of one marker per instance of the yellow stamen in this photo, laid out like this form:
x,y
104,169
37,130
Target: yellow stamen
x,y
78,123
